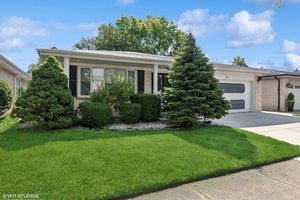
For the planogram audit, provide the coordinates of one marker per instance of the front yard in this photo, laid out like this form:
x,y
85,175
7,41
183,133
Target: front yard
x,y
79,163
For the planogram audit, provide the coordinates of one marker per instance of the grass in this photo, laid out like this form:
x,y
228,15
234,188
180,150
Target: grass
x,y
296,114
82,164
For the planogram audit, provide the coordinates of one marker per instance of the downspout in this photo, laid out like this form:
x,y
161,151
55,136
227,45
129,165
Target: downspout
x,y
278,98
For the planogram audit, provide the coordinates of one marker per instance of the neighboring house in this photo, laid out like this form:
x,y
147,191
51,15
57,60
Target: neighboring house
x,y
275,87
13,75
88,68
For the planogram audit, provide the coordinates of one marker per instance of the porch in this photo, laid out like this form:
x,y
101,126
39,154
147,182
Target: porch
x,y
88,69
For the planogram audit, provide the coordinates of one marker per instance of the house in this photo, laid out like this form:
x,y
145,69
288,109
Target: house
x,y
13,75
275,87
88,68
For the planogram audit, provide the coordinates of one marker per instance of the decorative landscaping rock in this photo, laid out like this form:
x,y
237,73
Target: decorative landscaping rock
x,y
142,126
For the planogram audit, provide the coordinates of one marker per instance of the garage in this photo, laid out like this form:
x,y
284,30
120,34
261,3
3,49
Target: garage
x,y
238,93
241,87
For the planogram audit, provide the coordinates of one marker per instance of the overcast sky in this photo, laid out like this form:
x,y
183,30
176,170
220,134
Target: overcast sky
x,y
265,36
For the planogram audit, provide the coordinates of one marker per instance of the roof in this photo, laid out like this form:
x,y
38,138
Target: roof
x,y
230,67
13,68
109,55
271,72
131,57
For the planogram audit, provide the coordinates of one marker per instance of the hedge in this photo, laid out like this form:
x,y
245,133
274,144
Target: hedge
x,y
5,97
150,105
95,115
130,112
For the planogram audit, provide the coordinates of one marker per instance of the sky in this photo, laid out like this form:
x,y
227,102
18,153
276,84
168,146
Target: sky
x,y
264,35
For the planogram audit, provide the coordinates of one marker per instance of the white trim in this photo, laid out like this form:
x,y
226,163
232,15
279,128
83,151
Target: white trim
x,y
67,68
134,58
103,67
155,79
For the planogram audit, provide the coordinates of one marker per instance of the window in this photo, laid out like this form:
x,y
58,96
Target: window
x,y
109,74
121,73
131,77
232,87
85,81
237,104
18,86
97,78
297,86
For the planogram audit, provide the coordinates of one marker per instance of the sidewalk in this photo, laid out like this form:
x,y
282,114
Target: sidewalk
x,y
277,181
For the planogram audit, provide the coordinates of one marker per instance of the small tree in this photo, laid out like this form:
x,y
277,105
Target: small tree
x,y
5,97
240,61
47,102
194,90
114,93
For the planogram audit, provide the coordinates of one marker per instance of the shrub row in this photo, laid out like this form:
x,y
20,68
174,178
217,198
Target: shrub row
x,y
150,106
94,114
145,107
130,112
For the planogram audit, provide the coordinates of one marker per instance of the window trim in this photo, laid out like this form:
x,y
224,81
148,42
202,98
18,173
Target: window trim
x,y
81,95
134,69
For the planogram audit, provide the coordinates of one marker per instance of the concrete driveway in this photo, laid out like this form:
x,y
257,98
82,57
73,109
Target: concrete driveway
x,y
281,126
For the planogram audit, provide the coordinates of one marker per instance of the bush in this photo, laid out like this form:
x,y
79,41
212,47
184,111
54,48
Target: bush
x,y
130,112
114,93
5,97
47,102
95,115
150,105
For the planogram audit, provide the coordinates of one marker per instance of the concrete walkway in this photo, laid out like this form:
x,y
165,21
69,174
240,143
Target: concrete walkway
x,y
278,181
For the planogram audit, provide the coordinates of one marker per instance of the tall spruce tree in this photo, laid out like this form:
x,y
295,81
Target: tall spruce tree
x,y
194,92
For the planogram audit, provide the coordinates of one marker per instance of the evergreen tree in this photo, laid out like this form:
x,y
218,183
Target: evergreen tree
x,y
47,102
194,90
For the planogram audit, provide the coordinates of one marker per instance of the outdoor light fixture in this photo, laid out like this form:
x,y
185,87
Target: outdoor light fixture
x,y
288,85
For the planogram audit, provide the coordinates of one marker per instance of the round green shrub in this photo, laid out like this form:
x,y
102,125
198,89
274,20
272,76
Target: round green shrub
x,y
150,105
95,115
130,112
47,102
5,97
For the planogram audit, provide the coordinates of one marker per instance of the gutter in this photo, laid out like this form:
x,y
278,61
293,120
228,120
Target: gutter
x,y
277,77
9,63
278,88
160,60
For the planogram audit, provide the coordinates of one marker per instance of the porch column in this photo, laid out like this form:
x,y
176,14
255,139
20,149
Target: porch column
x,y
155,79
67,67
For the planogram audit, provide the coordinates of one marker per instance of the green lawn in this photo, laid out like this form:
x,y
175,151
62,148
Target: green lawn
x,y
82,164
296,114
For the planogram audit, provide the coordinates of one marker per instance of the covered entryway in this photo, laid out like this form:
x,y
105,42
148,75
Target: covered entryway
x,y
238,93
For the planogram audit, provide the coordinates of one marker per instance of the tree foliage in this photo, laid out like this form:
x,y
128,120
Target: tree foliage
x,y
115,93
154,35
5,97
194,90
47,102
240,61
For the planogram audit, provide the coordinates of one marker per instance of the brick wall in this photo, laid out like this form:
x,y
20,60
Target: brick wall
x,y
269,94
148,82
